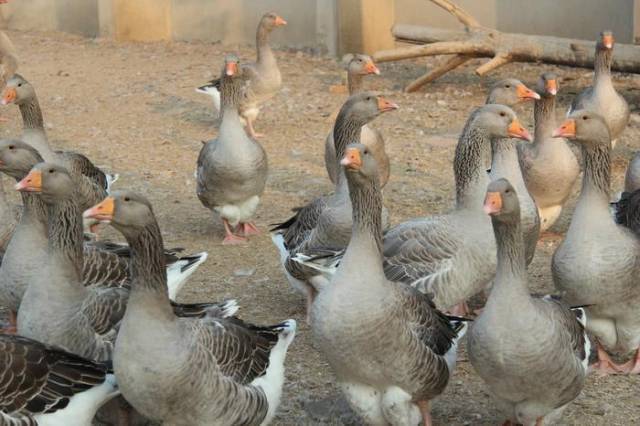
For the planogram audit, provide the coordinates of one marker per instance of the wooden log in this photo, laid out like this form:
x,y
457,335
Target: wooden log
x,y
517,47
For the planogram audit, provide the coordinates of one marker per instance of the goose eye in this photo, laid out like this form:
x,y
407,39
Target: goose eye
x,y
19,84
502,114
12,147
508,86
584,117
506,191
51,170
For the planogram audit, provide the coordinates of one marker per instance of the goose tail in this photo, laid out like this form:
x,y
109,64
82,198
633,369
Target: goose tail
x,y
179,271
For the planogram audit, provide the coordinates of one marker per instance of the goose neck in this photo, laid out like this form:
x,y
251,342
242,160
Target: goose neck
x,y
31,114
471,178
65,233
544,116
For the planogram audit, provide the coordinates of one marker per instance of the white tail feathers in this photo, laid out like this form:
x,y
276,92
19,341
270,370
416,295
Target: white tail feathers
x,y
213,92
178,272
452,354
111,179
273,379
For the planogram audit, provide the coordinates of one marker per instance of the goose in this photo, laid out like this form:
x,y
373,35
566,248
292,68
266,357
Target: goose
x,y
632,176
240,367
232,169
358,66
263,76
389,379
77,317
505,163
55,387
8,61
325,223
602,98
549,167
104,263
625,206
449,257
92,182
532,353
598,262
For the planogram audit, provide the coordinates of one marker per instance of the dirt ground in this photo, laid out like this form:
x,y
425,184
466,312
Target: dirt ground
x,y
133,109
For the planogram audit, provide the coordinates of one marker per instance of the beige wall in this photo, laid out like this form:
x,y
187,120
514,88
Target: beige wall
x,y
423,12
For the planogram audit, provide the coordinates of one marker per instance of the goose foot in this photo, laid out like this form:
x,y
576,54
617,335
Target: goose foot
x,y
460,310
632,366
230,238
252,132
605,365
426,413
247,228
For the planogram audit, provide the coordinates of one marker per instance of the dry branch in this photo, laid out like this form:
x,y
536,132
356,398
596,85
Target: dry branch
x,y
501,48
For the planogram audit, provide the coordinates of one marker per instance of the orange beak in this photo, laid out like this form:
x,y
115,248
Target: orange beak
x,y
492,203
352,159
280,22
9,96
371,68
566,130
31,182
231,68
385,105
516,130
607,41
102,211
525,93
551,86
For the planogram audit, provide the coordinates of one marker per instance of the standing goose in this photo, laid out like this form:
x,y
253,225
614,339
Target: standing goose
x,y
8,60
104,264
532,353
598,262
393,377
602,98
232,169
452,256
358,66
549,167
214,370
263,76
325,223
505,164
55,387
92,182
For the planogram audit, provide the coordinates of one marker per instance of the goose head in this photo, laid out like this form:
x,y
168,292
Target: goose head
x,y
548,85
363,107
271,20
585,127
17,91
359,163
510,92
126,211
501,202
499,121
17,158
360,64
53,182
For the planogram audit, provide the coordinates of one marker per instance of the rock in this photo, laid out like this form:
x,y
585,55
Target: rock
x,y
244,272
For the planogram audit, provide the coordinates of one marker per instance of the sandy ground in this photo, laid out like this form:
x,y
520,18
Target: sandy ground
x,y
132,108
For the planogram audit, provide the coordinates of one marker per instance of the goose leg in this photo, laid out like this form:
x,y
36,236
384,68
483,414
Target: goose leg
x,y
633,365
605,365
426,413
251,131
250,229
230,237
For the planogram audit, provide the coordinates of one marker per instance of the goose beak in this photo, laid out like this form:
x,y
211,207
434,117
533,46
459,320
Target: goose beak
x,y
551,86
102,212
492,203
352,159
566,130
280,22
9,96
385,105
31,182
231,68
607,41
525,93
371,68
515,130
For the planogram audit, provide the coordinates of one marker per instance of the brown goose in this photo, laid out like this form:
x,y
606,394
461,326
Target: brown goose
x,y
602,98
55,387
263,76
505,164
93,184
188,371
232,169
325,223
532,353
389,379
358,66
76,317
598,262
549,167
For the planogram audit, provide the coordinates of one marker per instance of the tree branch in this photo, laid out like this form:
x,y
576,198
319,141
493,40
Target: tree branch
x,y
441,48
461,15
452,63
497,61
